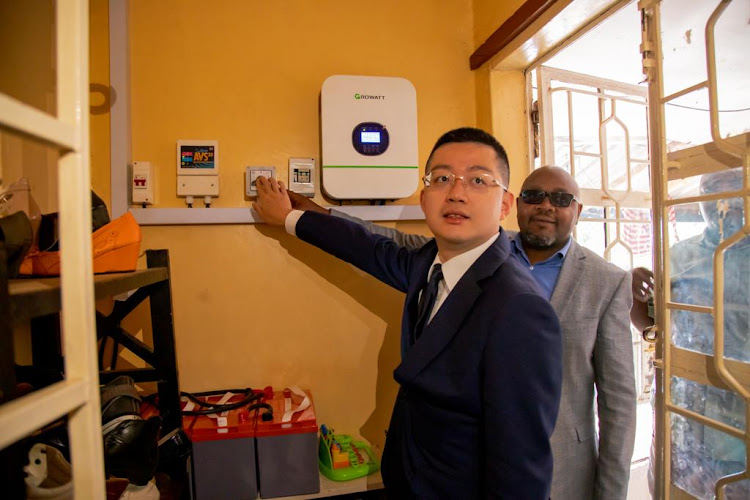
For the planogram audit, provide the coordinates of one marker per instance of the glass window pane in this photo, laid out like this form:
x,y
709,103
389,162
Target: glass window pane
x,y
684,65
692,283
588,172
635,118
635,214
685,222
687,121
637,235
627,138
684,49
641,173
702,454
591,234
586,121
683,188
592,213
692,269
621,256
586,54
561,129
617,166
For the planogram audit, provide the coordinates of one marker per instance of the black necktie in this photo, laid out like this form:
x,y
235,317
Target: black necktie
x,y
427,300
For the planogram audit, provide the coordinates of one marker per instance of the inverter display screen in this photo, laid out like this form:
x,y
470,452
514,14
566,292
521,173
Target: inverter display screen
x,y
370,137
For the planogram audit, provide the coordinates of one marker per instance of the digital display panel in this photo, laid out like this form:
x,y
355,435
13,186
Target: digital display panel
x,y
370,137
197,157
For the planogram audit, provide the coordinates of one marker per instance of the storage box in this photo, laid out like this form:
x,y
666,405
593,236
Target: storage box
x,y
288,446
223,459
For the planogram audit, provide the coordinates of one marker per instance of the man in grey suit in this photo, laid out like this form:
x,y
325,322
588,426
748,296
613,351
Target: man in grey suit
x,y
592,298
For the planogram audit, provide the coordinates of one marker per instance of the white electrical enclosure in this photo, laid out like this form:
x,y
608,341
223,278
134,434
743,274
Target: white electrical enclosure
x,y
197,168
143,183
302,176
369,137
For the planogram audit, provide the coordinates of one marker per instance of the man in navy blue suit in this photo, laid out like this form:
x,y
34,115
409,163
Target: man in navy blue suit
x,y
481,371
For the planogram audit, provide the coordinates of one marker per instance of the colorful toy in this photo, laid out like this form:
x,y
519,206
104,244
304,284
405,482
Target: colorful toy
x,y
340,458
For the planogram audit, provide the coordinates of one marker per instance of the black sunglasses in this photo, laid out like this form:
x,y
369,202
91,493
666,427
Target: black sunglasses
x,y
536,196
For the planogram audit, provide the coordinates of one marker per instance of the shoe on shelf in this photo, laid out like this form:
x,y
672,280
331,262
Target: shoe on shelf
x,y
145,492
48,475
131,444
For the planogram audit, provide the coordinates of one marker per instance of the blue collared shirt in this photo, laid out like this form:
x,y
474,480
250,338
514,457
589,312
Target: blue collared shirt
x,y
545,272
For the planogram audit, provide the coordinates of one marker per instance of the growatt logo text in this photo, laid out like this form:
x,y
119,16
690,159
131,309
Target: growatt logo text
x,y
367,96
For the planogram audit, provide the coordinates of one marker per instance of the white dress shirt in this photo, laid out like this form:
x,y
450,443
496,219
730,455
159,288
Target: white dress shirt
x,y
454,269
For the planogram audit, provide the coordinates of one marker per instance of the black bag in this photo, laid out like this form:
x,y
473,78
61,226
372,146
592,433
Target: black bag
x,y
48,228
17,236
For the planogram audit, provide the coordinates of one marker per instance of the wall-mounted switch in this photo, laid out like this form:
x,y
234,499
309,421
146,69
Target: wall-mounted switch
x,y
252,173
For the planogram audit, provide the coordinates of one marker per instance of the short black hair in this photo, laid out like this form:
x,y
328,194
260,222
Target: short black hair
x,y
470,134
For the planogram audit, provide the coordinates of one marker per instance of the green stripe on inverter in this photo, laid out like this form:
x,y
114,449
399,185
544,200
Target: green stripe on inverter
x,y
370,166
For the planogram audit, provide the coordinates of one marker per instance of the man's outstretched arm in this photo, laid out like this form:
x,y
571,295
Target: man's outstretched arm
x,y
372,253
410,241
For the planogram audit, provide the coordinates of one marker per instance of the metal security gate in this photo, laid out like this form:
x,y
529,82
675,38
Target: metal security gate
x,y
700,118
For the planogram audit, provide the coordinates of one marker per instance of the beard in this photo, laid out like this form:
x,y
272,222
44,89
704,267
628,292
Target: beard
x,y
537,241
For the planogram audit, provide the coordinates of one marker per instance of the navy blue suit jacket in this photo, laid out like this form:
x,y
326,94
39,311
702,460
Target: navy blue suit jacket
x,y
480,389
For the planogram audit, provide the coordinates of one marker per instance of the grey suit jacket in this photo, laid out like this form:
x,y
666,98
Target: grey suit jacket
x,y
592,299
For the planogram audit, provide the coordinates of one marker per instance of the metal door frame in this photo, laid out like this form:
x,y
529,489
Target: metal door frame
x,y
667,167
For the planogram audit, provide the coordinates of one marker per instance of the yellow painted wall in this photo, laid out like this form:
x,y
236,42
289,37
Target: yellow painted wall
x,y
500,97
27,50
505,94
249,75
489,15
99,98
253,306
